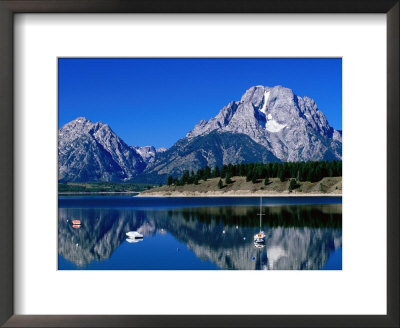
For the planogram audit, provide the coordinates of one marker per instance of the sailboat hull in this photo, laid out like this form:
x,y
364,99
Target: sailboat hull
x,y
259,237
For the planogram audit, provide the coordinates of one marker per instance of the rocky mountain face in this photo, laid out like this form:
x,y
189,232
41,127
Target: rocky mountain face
x,y
290,127
266,124
214,148
90,151
148,152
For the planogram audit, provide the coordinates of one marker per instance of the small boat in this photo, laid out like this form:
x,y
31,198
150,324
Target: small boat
x,y
260,237
76,226
259,245
134,235
134,240
76,222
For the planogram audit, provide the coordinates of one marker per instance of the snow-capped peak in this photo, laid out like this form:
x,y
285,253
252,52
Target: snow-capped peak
x,y
81,119
264,112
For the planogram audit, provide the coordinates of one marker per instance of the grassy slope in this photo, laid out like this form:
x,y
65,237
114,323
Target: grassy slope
x,y
71,187
329,186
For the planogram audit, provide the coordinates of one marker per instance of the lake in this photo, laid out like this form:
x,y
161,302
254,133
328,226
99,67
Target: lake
x,y
302,233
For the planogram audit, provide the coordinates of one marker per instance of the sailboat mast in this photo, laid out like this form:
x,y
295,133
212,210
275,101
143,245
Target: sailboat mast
x,y
260,212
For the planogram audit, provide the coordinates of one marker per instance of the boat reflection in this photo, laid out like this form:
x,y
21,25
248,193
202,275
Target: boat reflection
x,y
296,236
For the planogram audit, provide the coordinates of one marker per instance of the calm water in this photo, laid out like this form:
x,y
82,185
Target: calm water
x,y
199,233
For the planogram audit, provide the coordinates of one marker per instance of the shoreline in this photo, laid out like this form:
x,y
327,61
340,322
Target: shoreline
x,y
271,195
203,194
96,192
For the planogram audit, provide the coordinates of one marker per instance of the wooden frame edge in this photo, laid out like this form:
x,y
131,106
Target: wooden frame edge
x,y
7,10
393,167
6,164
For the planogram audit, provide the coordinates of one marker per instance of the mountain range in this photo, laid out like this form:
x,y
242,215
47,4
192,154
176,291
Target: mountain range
x,y
266,124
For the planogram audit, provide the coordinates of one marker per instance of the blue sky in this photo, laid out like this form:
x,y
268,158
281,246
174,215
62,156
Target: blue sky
x,y
157,101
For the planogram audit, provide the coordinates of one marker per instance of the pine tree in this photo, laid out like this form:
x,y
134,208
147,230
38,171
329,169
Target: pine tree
x,y
223,171
207,173
275,168
228,179
281,174
230,170
318,172
241,170
184,177
339,168
249,176
258,170
264,172
310,174
292,184
266,181
220,184
200,173
169,180
217,172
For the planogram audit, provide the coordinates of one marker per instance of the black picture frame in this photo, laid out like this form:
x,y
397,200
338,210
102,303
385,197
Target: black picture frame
x,y
10,7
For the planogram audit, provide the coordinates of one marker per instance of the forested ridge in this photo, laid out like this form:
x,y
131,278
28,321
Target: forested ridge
x,y
300,171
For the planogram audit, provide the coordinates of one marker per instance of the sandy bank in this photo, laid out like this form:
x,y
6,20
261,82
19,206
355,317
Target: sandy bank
x,y
239,187
95,192
234,194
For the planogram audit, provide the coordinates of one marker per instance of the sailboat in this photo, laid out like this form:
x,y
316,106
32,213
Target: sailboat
x,y
134,235
259,238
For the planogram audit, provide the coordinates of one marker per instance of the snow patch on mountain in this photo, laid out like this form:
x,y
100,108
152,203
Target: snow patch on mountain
x,y
265,101
146,152
273,126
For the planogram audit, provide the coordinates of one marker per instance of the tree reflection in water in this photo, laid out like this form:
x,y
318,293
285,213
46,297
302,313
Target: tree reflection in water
x,y
297,236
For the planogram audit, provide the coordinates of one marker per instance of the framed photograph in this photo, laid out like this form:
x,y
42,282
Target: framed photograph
x,y
256,187
199,164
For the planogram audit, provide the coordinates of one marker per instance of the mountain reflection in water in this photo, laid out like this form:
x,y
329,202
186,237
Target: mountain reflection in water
x,y
219,237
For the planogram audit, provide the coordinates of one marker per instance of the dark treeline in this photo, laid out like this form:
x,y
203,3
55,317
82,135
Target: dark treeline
x,y
301,171
101,187
290,216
